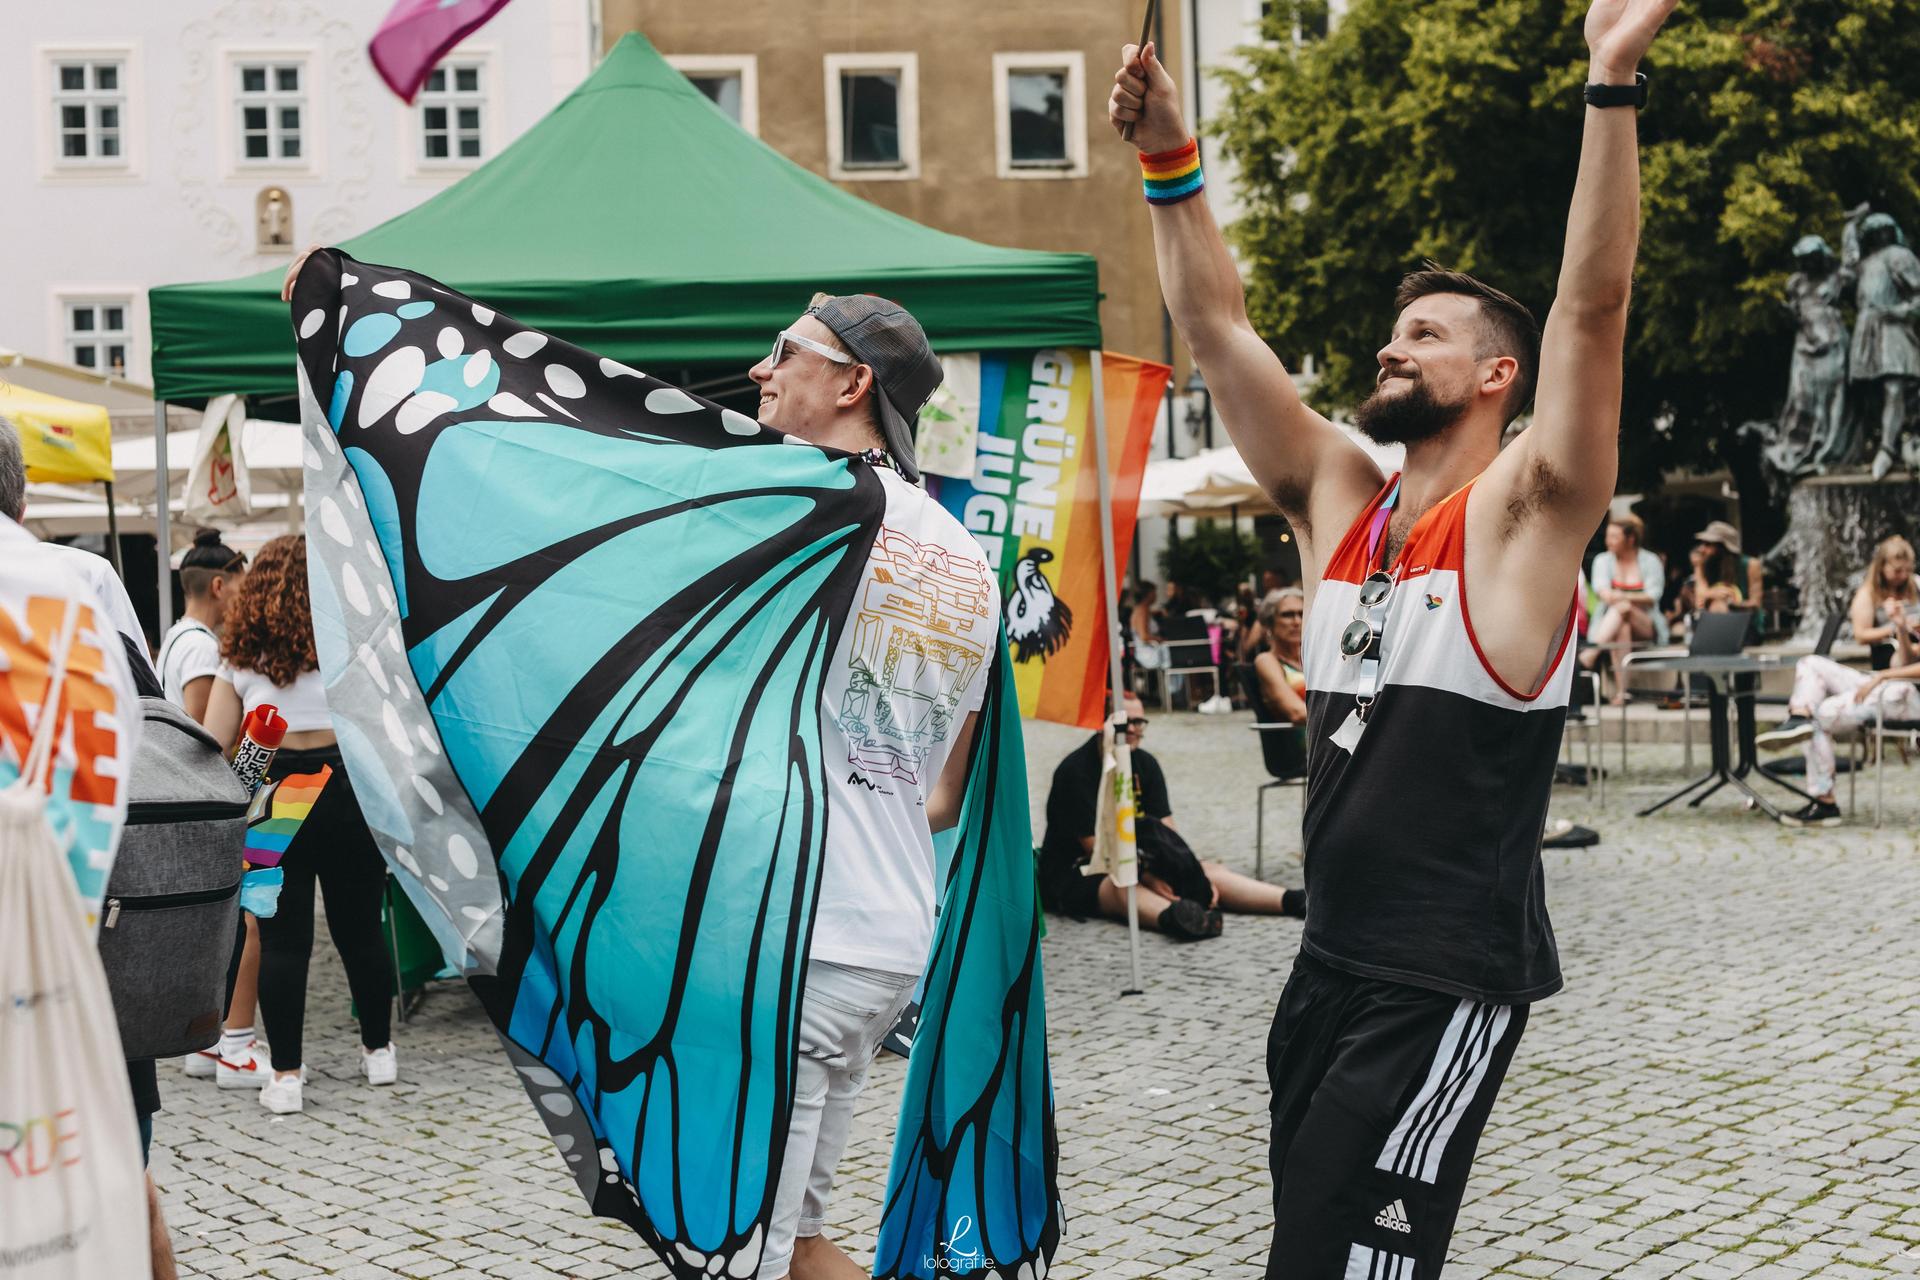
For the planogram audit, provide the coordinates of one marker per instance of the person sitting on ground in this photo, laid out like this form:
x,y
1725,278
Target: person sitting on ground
x,y
1283,676
1829,698
1628,581
1888,593
1071,808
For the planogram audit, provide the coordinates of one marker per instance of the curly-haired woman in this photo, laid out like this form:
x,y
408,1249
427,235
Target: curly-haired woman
x,y
269,658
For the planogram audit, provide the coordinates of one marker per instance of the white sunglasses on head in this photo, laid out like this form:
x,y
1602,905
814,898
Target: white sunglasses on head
x,y
786,338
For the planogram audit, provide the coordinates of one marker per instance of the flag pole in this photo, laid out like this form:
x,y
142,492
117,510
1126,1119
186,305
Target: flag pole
x,y
1110,577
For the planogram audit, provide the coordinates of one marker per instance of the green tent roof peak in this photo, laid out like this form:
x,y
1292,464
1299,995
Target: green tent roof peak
x,y
638,220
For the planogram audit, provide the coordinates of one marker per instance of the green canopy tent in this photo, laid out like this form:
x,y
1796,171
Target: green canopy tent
x,y
640,222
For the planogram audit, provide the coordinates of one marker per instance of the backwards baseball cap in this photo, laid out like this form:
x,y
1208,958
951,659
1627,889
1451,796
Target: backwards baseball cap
x,y
883,336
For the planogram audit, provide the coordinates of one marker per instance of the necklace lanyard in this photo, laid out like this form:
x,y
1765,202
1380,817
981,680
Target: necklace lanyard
x,y
1372,660
1379,527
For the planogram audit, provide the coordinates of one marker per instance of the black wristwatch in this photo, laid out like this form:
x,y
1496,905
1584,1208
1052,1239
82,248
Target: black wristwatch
x,y
1619,95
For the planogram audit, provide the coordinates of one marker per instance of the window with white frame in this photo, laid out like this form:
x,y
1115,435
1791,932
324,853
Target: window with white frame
x,y
729,81
271,102
873,115
90,103
453,105
1040,114
98,333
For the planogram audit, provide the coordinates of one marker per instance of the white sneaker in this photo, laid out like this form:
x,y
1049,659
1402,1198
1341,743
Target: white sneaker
x,y
246,1071
200,1065
281,1094
381,1065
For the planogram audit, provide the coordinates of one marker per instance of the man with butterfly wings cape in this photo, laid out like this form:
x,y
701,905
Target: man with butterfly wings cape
x,y
628,675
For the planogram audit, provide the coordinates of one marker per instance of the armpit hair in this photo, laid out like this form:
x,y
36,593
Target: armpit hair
x,y
1541,487
1291,498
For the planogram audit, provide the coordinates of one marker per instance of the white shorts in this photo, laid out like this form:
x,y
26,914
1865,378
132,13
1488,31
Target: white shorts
x,y
844,1015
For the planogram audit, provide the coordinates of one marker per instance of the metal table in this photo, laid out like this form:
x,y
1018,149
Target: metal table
x,y
1719,672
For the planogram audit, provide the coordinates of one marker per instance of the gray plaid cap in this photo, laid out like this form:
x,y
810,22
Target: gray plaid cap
x,y
885,336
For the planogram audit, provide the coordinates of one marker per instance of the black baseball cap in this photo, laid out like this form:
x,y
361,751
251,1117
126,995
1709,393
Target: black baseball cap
x,y
884,336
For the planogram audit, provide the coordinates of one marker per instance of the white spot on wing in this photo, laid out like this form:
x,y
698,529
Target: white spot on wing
x,y
524,343
460,853
334,521
670,400
354,590
422,408
394,289
512,405
449,343
311,322
396,732
565,382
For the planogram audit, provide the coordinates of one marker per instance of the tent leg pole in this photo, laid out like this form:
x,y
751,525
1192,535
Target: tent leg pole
x,y
162,516
113,536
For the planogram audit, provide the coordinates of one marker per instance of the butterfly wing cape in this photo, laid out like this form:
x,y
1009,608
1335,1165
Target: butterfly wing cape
x,y
573,624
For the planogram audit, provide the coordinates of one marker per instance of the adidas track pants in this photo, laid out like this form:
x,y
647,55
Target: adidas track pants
x,y
1380,1092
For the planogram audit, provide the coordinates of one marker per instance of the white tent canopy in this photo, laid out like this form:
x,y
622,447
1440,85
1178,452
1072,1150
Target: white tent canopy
x,y
272,452
1216,481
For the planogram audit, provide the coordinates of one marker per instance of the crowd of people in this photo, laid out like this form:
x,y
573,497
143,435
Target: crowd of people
x,y
1426,944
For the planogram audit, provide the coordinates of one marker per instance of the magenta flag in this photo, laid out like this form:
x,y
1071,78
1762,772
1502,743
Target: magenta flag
x,y
418,33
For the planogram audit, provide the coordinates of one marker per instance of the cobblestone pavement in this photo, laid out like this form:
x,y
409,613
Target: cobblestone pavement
x,y
1729,1085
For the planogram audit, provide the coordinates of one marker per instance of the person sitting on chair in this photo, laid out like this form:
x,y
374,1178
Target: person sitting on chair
x,y
1071,808
1283,678
1886,595
1629,581
1829,698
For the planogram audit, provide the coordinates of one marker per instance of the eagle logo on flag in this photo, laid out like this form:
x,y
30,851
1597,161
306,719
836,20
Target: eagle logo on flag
x,y
1038,621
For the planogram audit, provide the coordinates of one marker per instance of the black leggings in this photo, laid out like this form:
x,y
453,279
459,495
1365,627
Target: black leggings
x,y
335,849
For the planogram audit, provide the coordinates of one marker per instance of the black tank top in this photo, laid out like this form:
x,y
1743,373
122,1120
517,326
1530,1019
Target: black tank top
x,y
1423,843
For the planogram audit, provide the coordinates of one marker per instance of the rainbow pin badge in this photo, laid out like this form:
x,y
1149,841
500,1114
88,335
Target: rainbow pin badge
x,y
1433,602
277,811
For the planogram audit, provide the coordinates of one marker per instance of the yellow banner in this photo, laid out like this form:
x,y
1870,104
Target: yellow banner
x,y
65,441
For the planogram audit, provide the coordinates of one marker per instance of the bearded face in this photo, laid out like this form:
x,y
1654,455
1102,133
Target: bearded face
x,y
1403,409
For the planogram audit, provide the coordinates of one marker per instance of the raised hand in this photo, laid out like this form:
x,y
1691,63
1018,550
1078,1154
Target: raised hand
x,y
1144,95
293,272
1619,32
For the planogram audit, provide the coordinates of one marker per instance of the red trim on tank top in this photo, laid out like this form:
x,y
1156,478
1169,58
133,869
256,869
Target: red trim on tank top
x,y
1466,617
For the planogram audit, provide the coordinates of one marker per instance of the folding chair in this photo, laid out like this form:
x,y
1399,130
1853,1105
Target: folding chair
x,y
1283,749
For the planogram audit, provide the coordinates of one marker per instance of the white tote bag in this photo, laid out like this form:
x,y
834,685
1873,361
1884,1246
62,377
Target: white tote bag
x,y
73,1201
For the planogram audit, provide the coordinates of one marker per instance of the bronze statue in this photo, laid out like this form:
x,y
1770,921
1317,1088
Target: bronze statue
x,y
1812,432
1886,335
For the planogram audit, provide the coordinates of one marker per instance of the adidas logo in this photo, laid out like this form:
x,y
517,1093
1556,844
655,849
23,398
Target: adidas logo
x,y
1394,1218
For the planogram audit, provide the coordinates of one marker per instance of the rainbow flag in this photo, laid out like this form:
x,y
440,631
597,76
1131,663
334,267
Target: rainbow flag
x,y
277,811
1033,503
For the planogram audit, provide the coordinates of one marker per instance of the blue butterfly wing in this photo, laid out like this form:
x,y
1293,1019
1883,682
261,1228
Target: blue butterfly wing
x,y
574,625
972,1187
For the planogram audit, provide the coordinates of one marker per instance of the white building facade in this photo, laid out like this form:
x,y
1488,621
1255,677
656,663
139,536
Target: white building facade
x,y
154,144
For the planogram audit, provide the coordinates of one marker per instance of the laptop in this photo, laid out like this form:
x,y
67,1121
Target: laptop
x,y
1719,634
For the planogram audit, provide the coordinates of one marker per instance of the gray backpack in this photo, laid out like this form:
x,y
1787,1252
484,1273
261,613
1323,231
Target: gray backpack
x,y
172,910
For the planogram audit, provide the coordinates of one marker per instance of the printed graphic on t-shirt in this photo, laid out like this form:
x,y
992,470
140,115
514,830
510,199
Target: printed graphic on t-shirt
x,y
911,660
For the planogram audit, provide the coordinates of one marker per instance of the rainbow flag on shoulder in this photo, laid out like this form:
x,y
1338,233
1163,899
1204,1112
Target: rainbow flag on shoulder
x,y
1033,502
276,813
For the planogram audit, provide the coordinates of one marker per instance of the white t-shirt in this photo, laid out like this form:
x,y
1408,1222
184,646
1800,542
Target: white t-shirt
x,y
302,704
912,665
190,651
93,754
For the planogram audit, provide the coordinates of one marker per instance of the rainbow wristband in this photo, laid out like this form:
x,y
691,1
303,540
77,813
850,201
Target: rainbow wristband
x,y
1172,176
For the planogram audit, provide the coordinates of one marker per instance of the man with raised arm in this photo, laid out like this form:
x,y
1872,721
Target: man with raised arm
x,y
1433,724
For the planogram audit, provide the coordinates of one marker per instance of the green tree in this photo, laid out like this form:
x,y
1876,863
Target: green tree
x,y
1213,560
1450,130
